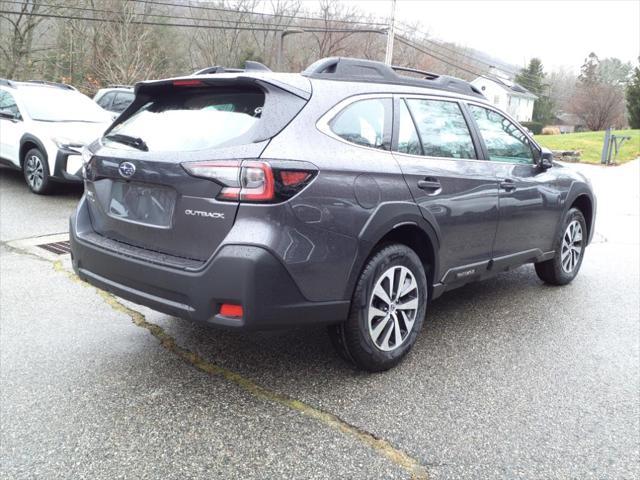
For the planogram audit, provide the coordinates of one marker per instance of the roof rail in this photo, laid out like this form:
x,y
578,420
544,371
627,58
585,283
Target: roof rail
x,y
51,84
360,70
427,75
6,83
118,86
248,66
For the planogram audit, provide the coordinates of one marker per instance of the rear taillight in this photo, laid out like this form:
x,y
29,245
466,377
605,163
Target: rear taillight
x,y
251,180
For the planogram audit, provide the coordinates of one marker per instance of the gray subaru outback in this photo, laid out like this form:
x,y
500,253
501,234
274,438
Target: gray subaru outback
x,y
349,195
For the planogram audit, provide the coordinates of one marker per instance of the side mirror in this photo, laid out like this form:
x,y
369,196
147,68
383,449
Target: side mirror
x,y
545,160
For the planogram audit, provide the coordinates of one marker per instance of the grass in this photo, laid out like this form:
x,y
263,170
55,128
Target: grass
x,y
590,144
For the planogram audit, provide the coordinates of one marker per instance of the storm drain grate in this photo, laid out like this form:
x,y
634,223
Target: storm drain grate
x,y
59,248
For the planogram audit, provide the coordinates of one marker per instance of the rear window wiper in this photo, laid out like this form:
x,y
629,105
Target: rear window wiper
x,y
134,142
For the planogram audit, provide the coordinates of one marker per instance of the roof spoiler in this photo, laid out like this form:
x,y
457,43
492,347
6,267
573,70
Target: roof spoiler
x,y
195,81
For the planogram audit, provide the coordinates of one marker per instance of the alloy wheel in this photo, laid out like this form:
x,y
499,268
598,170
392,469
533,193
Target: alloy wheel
x,y
35,172
571,246
393,308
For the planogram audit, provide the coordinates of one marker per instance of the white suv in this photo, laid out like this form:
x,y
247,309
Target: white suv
x,y
43,127
115,98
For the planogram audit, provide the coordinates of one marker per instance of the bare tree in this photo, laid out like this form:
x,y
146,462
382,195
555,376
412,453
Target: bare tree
x,y
331,43
599,105
217,46
281,18
562,86
17,34
126,50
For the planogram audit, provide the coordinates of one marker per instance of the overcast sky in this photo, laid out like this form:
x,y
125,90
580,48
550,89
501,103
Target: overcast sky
x,y
560,32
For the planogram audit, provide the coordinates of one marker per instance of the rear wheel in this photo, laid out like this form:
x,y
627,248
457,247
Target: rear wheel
x,y
36,172
569,248
387,310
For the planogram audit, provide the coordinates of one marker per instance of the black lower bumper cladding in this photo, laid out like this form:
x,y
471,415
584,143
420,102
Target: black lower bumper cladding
x,y
244,275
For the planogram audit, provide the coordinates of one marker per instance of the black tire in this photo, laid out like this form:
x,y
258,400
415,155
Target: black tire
x,y
36,172
552,271
353,338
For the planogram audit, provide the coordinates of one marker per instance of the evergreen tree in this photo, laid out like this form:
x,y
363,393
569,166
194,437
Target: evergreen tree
x,y
633,98
589,74
533,79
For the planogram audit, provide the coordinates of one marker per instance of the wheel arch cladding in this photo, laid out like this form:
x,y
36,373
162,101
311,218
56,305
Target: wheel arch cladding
x,y
399,222
27,142
583,203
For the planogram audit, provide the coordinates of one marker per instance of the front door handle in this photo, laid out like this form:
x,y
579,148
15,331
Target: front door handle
x,y
508,184
430,184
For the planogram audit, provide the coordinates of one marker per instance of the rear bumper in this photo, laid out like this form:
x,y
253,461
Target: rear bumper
x,y
239,274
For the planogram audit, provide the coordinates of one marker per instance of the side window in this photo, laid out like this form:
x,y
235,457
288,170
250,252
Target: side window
x,y
8,104
105,100
122,101
442,128
408,141
365,122
504,141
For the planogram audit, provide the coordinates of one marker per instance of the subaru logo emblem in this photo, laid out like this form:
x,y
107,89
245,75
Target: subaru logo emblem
x,y
127,169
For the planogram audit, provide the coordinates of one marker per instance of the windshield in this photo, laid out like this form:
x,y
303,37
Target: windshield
x,y
57,105
194,120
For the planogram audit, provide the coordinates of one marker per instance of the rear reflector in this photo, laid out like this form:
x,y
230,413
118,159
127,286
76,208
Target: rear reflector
x,y
231,310
291,179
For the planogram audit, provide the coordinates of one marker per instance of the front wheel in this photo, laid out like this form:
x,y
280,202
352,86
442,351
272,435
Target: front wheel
x,y
387,310
569,248
36,172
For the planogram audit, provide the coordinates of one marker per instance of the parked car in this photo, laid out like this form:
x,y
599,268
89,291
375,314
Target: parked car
x,y
115,98
349,195
43,127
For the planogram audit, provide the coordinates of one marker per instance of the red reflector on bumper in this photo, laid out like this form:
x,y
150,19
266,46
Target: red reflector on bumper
x,y
230,310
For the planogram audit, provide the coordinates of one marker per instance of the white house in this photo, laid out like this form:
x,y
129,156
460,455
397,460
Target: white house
x,y
506,94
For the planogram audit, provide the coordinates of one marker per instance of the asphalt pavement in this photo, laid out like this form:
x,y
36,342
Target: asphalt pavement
x,y
510,378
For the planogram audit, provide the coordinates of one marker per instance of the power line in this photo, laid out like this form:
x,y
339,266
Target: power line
x,y
254,26
522,74
191,25
409,43
220,9
145,14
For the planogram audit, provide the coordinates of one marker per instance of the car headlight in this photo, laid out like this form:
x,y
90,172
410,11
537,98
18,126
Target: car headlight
x,y
64,142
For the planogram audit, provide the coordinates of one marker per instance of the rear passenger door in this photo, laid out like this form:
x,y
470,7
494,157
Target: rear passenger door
x,y
455,190
530,198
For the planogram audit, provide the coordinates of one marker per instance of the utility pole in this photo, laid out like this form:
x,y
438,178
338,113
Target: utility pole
x,y
284,33
388,58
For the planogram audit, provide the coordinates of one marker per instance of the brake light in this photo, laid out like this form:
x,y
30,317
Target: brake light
x,y
187,83
251,180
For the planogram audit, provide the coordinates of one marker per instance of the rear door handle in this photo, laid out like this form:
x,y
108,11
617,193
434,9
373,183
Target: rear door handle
x,y
508,184
429,184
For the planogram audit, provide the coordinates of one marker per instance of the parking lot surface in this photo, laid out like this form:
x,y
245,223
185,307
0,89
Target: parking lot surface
x,y
510,378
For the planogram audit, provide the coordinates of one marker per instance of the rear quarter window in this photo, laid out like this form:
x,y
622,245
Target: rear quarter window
x,y
365,122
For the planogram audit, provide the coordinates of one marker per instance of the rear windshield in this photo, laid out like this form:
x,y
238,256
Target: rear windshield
x,y
191,120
